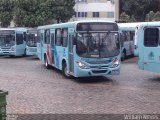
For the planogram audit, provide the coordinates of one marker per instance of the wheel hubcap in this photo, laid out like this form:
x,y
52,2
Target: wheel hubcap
x,y
65,70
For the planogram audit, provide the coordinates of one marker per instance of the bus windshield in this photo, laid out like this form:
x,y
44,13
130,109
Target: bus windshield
x,y
32,40
7,40
98,45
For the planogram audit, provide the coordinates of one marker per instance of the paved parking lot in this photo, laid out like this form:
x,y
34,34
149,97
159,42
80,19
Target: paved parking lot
x,y
34,89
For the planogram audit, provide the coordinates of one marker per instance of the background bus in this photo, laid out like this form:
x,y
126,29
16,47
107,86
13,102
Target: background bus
x,y
31,41
148,46
12,41
127,32
81,49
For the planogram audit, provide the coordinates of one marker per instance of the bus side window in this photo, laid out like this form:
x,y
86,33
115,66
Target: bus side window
x,y
64,37
58,39
52,39
132,35
151,37
19,39
47,36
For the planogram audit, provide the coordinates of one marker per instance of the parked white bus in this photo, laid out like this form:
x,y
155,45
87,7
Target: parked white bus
x,y
13,41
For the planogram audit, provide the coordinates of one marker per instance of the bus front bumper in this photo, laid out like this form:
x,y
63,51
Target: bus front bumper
x,y
96,72
7,52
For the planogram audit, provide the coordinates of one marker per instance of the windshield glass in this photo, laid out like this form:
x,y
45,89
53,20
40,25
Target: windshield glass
x,y
31,40
7,40
95,45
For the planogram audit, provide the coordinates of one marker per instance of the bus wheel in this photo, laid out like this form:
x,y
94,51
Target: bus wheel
x,y
24,53
46,63
64,71
12,56
123,55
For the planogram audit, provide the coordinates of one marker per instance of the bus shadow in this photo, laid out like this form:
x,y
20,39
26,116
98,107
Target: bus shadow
x,y
93,80
31,57
130,59
155,79
13,57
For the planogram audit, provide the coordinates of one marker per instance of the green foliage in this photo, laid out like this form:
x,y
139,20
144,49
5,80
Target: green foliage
x,y
151,16
6,12
126,18
31,13
139,8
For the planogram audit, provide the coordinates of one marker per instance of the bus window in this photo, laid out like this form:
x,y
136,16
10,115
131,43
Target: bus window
x,y
151,37
128,37
123,36
58,37
52,39
132,35
47,36
19,39
64,37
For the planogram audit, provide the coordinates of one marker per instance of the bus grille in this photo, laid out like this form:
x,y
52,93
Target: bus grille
x,y
33,49
99,62
99,71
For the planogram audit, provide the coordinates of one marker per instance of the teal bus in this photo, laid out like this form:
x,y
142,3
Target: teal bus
x,y
147,46
127,36
31,41
13,41
81,48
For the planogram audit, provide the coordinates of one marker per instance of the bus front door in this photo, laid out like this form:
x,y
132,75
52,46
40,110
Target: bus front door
x,y
71,55
39,45
151,54
52,36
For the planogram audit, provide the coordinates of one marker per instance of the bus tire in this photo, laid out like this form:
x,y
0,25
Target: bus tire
x,y
64,71
46,62
24,53
123,55
11,56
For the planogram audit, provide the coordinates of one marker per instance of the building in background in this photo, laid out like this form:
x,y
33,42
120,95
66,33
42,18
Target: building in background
x,y
96,10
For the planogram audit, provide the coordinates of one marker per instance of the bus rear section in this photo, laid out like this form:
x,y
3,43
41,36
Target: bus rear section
x,y
31,42
149,46
12,41
127,32
82,49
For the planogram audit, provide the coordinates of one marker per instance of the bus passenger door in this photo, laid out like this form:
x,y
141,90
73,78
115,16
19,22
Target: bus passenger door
x,y
151,48
39,44
71,55
52,38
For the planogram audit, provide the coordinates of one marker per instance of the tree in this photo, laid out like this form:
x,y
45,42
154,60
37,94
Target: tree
x,y
60,10
151,16
6,12
139,8
25,13
32,13
124,17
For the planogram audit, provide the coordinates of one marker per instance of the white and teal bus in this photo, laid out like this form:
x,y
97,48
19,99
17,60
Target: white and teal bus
x,y
127,36
12,41
31,41
81,49
147,46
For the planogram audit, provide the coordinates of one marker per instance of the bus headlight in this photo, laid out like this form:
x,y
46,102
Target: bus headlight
x,y
116,63
81,65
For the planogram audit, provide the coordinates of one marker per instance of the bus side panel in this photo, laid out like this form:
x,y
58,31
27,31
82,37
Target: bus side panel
x,y
140,48
151,54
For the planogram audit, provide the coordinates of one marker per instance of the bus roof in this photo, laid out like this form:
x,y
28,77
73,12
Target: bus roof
x,y
71,24
157,23
128,26
16,29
